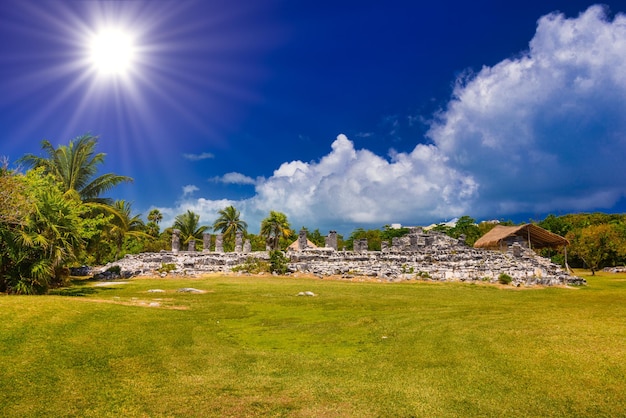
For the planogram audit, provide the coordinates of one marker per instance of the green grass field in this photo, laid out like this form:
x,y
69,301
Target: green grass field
x,y
250,346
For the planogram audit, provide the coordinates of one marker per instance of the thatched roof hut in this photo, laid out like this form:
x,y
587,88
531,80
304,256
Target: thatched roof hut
x,y
529,235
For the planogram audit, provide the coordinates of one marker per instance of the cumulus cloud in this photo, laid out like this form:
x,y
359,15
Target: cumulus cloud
x,y
357,186
198,157
233,178
350,187
541,132
545,131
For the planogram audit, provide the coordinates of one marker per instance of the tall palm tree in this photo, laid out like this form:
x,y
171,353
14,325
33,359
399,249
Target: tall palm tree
x,y
155,216
74,166
125,225
275,227
228,223
189,226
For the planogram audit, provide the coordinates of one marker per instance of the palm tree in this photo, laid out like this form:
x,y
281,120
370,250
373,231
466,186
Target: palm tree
x,y
155,216
74,166
125,225
228,223
188,225
275,227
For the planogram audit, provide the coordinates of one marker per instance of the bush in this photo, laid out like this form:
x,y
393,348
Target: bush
x,y
166,268
406,269
252,266
115,270
504,278
278,262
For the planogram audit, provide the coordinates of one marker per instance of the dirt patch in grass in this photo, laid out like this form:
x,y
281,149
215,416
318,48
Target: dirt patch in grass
x,y
156,304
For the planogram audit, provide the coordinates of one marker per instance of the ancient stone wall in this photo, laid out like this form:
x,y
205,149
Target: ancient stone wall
x,y
417,256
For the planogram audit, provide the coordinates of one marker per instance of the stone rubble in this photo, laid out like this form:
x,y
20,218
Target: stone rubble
x,y
416,256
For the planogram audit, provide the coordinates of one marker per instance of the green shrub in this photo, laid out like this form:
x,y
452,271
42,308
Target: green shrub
x,y
278,262
252,265
504,278
166,268
115,270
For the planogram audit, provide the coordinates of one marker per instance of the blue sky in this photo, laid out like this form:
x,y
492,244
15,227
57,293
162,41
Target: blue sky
x,y
341,114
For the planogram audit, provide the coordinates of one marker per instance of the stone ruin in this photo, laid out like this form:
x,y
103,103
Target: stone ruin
x,y
419,255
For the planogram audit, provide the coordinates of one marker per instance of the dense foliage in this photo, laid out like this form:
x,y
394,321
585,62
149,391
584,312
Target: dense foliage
x,y
597,240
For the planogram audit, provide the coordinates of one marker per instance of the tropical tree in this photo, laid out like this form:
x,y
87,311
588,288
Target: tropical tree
x,y
229,223
373,236
189,226
388,233
14,201
50,235
596,245
74,166
465,225
125,225
275,227
154,218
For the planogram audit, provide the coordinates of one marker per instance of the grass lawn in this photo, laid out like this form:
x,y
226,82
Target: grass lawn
x,y
249,346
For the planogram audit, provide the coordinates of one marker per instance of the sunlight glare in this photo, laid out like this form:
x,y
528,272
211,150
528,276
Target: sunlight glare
x,y
112,52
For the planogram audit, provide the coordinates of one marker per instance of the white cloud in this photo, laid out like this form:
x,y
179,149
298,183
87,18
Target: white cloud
x,y
234,178
545,131
354,187
198,157
357,186
542,132
189,189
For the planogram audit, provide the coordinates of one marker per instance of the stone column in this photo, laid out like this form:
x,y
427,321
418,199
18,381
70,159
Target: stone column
x,y
219,243
192,245
360,245
175,241
238,242
462,239
384,246
331,240
247,247
302,240
396,243
206,243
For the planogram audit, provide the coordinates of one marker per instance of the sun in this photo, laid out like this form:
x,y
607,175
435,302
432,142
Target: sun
x,y
112,52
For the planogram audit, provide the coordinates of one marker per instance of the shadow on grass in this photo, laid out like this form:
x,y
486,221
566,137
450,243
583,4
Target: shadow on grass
x,y
76,291
80,286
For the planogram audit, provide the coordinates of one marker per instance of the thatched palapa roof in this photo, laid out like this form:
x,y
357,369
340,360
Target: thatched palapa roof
x,y
537,236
